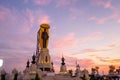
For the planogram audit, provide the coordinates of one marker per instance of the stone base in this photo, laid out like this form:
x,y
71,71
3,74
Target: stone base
x,y
45,69
44,61
63,68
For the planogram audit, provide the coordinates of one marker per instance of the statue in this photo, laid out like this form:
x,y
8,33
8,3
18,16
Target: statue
x,y
33,59
44,38
14,74
3,75
28,63
46,59
63,63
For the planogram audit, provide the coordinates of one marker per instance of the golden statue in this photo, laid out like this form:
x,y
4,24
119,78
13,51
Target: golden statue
x,y
43,36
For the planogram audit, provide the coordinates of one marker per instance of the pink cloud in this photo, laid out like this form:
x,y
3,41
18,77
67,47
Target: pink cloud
x,y
30,16
86,63
109,60
104,19
13,17
92,37
71,62
66,41
101,21
92,18
75,13
2,15
112,46
44,19
26,1
42,2
93,50
70,41
27,22
62,3
105,4
118,21
74,10
113,61
98,20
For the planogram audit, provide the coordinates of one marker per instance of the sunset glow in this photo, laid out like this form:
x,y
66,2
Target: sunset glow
x,y
86,31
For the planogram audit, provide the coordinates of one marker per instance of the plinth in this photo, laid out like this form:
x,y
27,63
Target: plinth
x,y
44,61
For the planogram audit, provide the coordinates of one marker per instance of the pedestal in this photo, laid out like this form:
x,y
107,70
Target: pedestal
x,y
44,61
63,68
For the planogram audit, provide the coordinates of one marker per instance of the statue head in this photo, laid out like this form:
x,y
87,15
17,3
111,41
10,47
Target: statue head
x,y
28,63
44,30
46,26
33,59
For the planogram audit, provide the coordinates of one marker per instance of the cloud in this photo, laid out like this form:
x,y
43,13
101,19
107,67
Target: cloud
x,y
71,62
86,63
15,41
102,20
15,32
93,50
99,20
75,13
105,4
118,21
63,3
112,46
16,20
71,41
108,6
95,36
41,2
111,61
107,60
44,19
66,41
2,14
26,1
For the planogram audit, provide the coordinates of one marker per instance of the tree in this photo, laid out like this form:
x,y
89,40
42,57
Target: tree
x,y
111,69
70,72
97,69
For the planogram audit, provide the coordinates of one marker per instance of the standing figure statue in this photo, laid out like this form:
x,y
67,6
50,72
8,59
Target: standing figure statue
x,y
44,38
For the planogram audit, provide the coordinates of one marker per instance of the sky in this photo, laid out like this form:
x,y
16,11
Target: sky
x,y
86,31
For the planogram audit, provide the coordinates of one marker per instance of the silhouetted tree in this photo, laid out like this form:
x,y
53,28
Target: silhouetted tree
x,y
112,69
70,72
97,68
